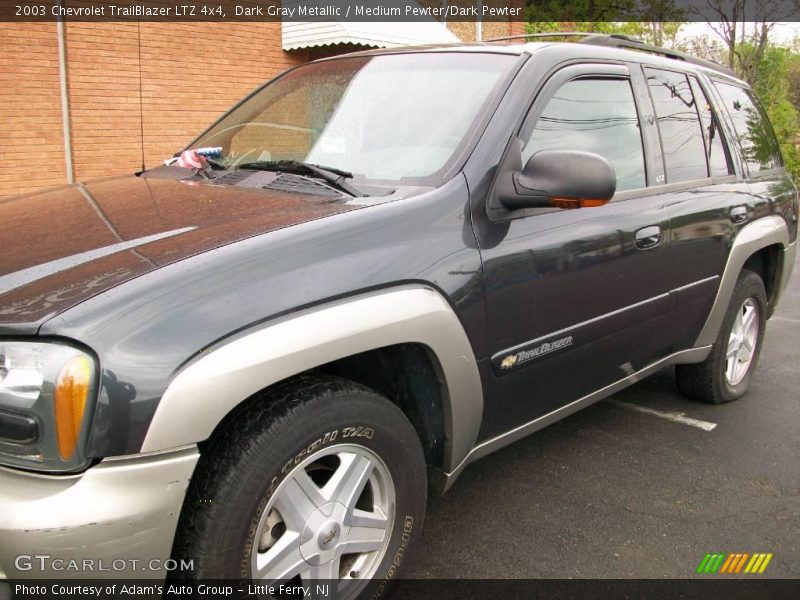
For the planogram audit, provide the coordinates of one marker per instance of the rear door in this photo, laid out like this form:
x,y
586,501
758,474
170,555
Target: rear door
x,y
699,190
770,185
575,298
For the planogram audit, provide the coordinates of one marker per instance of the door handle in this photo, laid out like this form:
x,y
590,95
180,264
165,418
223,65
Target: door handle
x,y
648,237
738,214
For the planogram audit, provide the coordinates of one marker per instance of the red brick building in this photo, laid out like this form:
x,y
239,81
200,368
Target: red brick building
x,y
134,91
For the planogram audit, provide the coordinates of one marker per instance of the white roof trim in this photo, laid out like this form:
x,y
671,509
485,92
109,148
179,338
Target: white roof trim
x,y
308,34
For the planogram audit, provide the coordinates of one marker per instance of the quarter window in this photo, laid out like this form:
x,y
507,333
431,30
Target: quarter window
x,y
716,151
593,115
678,125
761,150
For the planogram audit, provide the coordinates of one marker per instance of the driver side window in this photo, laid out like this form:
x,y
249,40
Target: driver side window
x,y
593,115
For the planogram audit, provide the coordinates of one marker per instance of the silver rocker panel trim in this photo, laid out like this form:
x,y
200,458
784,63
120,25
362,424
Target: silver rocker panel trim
x,y
692,355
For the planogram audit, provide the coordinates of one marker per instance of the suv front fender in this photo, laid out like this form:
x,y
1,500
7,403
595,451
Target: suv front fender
x,y
206,390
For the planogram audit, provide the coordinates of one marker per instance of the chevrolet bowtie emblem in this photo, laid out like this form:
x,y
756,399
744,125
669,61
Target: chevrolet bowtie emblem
x,y
509,361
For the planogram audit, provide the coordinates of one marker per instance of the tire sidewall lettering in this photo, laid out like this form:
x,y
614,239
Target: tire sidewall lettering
x,y
397,559
353,433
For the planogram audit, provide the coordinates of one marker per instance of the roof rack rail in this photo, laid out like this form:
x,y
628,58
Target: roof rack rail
x,y
623,41
615,40
543,34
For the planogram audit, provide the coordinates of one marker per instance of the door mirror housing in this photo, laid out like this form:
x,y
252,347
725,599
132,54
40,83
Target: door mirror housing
x,y
561,179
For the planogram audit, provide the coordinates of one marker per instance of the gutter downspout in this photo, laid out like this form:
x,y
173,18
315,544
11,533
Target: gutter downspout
x,y
62,76
479,21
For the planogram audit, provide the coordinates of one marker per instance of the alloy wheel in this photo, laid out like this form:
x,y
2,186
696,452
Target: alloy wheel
x,y
330,519
742,342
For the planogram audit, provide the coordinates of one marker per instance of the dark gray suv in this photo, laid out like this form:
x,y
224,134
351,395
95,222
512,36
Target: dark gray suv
x,y
252,362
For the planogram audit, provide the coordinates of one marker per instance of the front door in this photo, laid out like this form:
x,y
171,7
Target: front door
x,y
575,298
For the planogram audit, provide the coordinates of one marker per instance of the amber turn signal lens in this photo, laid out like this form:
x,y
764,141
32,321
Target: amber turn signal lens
x,y
72,392
577,202
591,202
565,203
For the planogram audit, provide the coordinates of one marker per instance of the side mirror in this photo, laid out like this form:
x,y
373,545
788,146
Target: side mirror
x,y
559,178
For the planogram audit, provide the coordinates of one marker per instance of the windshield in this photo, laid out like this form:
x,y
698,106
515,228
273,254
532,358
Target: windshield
x,y
391,117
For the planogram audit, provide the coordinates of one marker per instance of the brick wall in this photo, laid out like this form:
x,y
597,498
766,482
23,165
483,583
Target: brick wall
x,y
103,84
31,143
182,97
467,30
191,73
517,27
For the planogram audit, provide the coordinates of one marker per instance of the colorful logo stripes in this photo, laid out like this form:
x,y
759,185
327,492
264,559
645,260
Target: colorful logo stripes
x,y
720,562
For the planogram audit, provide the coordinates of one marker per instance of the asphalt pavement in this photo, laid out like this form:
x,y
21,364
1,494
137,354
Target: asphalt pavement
x,y
619,492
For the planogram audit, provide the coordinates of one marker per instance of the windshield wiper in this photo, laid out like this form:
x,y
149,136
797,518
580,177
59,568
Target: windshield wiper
x,y
216,164
336,177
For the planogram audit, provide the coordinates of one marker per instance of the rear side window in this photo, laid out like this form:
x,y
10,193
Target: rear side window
x,y
593,115
679,125
761,150
716,151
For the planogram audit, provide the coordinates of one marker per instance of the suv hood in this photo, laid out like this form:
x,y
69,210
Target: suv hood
x,y
63,246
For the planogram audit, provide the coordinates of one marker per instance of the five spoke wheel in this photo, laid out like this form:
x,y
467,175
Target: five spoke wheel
x,y
742,342
329,519
725,373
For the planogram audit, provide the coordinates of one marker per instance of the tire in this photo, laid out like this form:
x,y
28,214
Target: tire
x,y
717,379
275,489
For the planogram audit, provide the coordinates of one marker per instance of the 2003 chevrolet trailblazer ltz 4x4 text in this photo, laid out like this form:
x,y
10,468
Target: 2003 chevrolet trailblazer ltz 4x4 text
x,y
365,276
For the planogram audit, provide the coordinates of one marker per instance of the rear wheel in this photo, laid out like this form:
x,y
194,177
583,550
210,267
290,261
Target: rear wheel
x,y
325,483
725,374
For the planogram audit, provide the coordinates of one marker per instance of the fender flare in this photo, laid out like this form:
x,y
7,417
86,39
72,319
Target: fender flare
x,y
759,234
208,388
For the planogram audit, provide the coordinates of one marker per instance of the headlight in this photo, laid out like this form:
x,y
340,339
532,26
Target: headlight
x,y
46,392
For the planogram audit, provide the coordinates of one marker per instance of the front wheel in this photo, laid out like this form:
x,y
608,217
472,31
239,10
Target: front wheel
x,y
725,374
322,482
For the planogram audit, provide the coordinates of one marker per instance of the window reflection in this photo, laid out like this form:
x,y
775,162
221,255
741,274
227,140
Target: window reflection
x,y
679,125
716,152
593,115
761,150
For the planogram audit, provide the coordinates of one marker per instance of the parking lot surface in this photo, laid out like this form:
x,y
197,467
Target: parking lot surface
x,y
616,491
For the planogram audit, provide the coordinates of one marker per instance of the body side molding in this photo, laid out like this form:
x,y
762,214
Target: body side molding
x,y
759,234
624,312
210,387
442,481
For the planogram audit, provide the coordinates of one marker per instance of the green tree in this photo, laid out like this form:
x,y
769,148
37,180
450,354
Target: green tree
x,y
744,27
774,72
654,22
777,70
599,16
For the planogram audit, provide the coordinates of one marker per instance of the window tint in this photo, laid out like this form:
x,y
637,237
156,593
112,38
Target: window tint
x,y
678,125
593,115
760,148
716,151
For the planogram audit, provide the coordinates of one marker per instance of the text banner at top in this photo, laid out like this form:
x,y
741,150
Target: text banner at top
x,y
569,12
